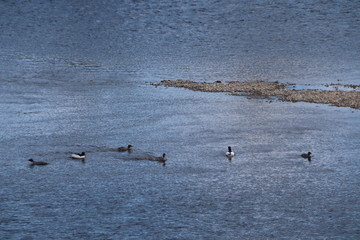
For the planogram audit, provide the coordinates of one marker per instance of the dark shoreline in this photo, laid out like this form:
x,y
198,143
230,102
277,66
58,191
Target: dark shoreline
x,y
274,89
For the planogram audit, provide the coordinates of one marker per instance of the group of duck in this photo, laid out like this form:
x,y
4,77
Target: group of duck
x,y
231,154
81,156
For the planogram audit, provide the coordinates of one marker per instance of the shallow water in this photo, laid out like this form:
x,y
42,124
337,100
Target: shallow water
x,y
70,93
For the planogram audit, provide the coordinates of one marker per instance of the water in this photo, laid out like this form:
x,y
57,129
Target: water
x,y
75,77
296,41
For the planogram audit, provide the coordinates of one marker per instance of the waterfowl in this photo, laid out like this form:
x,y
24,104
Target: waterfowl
x,y
124,149
37,162
307,155
80,156
230,153
161,159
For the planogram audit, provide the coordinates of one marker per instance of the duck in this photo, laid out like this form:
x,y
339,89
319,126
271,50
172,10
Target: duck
x,y
124,149
307,155
80,156
163,158
37,162
230,153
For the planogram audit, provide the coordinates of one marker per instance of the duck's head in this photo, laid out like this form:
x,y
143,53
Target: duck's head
x,y
130,146
164,157
82,154
309,154
229,149
31,160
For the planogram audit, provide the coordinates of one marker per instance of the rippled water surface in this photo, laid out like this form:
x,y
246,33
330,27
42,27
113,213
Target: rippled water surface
x,y
76,77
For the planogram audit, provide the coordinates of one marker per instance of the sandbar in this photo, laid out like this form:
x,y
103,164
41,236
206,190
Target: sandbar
x,y
276,89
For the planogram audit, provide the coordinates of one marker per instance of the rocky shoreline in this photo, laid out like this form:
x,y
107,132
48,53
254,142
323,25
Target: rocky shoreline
x,y
274,89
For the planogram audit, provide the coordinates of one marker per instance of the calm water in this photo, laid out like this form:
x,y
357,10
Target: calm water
x,y
75,77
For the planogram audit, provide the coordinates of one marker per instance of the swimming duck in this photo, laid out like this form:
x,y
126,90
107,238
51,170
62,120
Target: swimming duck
x,y
161,159
124,149
80,156
37,162
230,153
307,155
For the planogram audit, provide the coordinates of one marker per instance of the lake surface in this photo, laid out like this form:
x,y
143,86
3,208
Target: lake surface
x,y
76,77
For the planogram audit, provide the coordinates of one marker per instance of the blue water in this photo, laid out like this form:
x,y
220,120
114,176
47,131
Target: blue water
x,y
295,41
76,77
